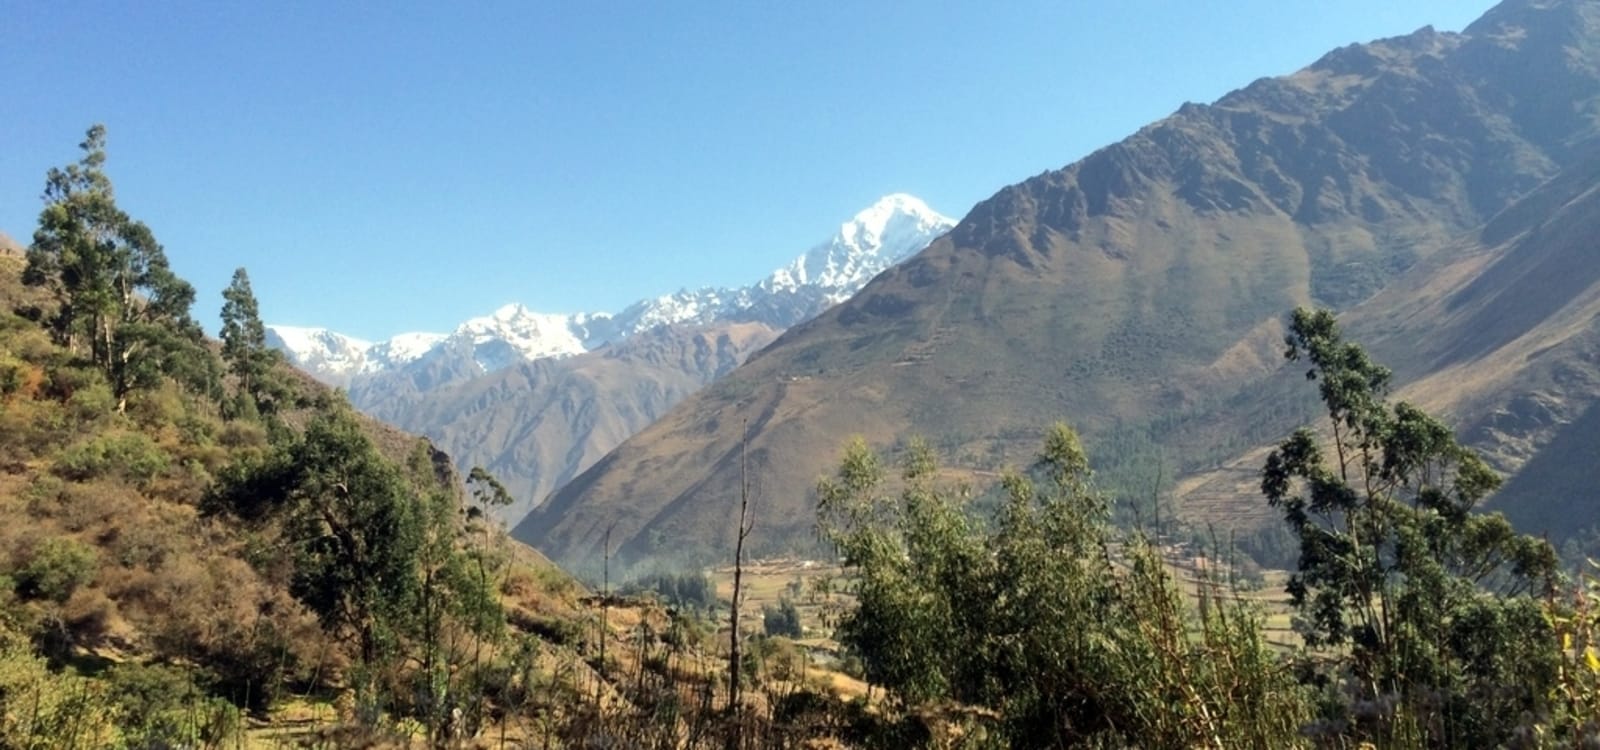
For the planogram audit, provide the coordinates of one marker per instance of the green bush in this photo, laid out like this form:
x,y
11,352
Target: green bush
x,y
1070,633
196,430
32,345
13,373
783,619
159,706
63,709
86,393
57,567
130,456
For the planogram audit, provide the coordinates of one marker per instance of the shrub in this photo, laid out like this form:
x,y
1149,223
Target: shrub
x,y
44,494
91,505
195,430
87,616
29,429
783,619
130,456
160,706
238,434
57,567
1071,635
87,396
13,374
63,710
158,409
32,345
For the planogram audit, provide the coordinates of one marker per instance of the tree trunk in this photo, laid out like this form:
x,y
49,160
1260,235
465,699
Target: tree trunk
x,y
734,738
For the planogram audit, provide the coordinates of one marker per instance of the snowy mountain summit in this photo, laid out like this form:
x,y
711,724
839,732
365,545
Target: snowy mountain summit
x,y
879,236
324,352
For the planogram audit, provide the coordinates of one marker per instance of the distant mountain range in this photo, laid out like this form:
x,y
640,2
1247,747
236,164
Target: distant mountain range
x,y
879,236
1440,178
537,397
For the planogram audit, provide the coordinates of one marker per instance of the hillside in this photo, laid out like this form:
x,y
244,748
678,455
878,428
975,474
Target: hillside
x,y
206,548
1498,332
1143,286
136,605
537,424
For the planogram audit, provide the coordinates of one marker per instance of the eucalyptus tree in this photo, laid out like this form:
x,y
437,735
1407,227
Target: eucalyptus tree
x,y
245,350
116,300
1421,615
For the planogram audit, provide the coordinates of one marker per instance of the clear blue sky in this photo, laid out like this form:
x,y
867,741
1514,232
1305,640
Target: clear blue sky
x,y
391,166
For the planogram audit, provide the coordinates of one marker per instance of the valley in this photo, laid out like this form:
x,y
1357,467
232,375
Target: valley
x,y
1270,423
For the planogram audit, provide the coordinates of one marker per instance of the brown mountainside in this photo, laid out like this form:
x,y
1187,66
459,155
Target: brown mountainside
x,y
1497,333
1141,284
537,424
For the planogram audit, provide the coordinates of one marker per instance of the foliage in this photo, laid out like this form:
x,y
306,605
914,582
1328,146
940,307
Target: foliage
x,y
110,282
783,619
55,569
1574,719
1416,604
111,412
378,558
245,351
41,709
356,533
691,590
160,706
131,456
1036,620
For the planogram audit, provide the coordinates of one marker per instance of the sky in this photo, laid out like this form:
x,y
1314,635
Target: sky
x,y
382,167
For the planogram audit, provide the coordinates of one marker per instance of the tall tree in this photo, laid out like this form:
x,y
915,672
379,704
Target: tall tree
x,y
244,344
1418,605
359,533
377,556
110,279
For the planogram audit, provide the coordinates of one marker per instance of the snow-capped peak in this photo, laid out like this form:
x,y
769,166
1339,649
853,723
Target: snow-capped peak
x,y
513,332
880,236
306,339
890,217
337,356
877,237
405,347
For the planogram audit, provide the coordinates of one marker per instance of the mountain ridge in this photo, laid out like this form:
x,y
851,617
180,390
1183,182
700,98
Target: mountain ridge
x,y
537,397
873,239
1145,279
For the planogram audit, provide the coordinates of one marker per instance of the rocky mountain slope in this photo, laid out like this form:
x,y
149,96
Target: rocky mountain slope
x,y
537,397
1141,288
1501,332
